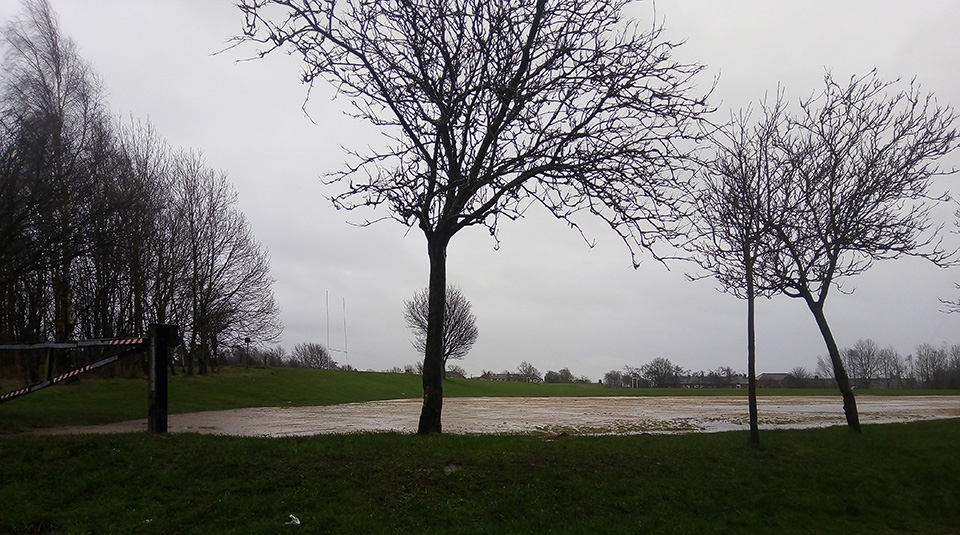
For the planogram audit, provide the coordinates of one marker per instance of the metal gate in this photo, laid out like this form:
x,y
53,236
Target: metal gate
x,y
161,338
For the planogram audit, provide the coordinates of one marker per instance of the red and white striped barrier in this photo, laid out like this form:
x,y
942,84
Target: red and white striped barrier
x,y
125,342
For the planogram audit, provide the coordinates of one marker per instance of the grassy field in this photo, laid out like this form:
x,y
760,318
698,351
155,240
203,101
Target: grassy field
x,y
898,478
90,402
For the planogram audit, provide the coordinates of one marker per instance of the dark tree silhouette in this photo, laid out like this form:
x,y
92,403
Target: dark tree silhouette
x,y
312,355
732,234
52,99
852,185
491,107
863,157
226,285
661,372
103,229
459,324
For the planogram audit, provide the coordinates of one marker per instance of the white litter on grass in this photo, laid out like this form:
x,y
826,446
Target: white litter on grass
x,y
294,521
451,468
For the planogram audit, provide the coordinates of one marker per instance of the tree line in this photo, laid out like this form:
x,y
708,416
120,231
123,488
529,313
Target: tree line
x,y
873,366
104,228
868,364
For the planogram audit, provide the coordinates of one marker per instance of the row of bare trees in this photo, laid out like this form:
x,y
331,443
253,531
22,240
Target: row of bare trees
x,y
103,227
872,366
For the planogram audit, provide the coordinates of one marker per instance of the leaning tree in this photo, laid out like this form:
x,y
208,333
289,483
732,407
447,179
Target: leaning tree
x,y
862,159
491,107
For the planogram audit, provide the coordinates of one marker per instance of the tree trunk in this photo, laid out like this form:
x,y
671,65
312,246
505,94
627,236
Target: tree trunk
x,y
433,354
839,373
751,351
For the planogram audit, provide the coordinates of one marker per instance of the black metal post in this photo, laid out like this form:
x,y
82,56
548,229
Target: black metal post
x,y
162,338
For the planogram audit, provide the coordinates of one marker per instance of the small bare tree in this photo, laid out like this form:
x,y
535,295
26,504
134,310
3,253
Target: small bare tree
x,y
732,234
459,324
312,355
529,372
661,372
930,366
864,361
491,107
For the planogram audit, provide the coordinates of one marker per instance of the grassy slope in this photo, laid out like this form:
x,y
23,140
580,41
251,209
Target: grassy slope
x,y
104,401
897,478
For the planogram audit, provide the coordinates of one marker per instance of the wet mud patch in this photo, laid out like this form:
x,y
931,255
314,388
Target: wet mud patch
x,y
550,416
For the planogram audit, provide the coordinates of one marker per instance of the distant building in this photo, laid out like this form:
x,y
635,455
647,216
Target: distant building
x,y
712,380
511,377
773,380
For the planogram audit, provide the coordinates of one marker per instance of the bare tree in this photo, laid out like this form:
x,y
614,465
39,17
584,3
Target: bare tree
x,y
854,185
864,361
457,371
312,355
613,379
863,156
490,107
800,377
529,371
102,229
930,365
732,234
661,372
227,288
459,324
824,368
893,367
53,98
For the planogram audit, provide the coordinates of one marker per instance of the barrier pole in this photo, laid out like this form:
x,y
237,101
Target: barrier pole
x,y
162,338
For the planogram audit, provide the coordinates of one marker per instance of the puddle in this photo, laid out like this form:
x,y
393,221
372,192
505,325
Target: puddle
x,y
586,415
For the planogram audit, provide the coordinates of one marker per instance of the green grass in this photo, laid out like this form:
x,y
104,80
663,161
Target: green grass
x,y
899,478
89,402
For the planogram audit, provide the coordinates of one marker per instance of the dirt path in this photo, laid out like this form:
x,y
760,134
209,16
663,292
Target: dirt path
x,y
590,415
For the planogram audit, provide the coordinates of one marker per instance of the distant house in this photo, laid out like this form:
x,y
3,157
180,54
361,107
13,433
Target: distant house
x,y
738,381
702,380
511,377
773,380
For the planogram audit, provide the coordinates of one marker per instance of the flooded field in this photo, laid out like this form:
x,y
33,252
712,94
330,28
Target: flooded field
x,y
588,415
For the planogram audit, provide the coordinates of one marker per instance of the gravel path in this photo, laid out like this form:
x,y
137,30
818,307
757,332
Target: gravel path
x,y
588,415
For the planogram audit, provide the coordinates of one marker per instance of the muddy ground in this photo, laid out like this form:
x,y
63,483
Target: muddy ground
x,y
588,415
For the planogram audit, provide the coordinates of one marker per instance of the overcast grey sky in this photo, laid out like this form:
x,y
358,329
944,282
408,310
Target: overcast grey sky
x,y
544,296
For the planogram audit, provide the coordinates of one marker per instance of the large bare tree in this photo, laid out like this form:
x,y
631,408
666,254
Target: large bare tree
x,y
63,142
227,287
491,107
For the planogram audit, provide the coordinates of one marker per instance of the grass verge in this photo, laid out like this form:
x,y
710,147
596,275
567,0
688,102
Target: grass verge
x,y
898,478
